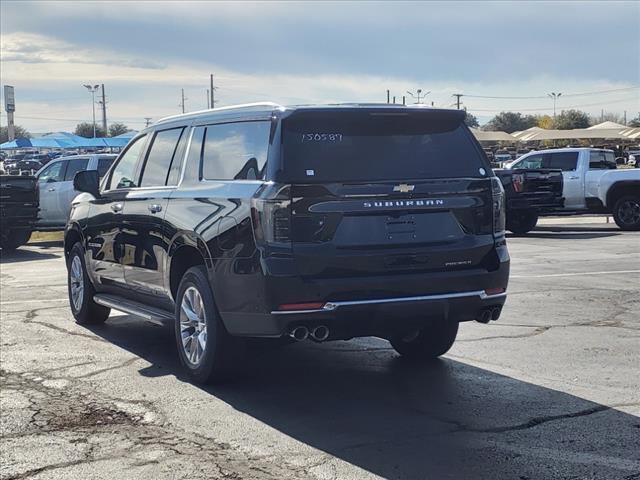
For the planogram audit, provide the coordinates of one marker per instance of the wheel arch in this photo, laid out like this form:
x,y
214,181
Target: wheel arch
x,y
619,189
185,251
72,235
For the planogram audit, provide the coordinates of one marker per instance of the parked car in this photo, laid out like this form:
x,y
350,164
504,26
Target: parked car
x,y
319,222
530,193
55,183
592,183
18,210
22,167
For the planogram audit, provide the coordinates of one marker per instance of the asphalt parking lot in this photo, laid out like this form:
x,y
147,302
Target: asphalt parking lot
x,y
550,391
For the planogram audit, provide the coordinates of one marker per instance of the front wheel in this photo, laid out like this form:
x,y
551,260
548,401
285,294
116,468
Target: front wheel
x,y
427,343
521,221
14,238
626,212
207,352
81,291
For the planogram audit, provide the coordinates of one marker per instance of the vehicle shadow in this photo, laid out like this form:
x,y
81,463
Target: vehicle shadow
x,y
28,254
360,403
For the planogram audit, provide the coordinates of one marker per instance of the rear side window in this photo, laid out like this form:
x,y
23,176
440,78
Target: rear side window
x,y
357,146
103,166
601,160
235,151
565,161
75,166
161,154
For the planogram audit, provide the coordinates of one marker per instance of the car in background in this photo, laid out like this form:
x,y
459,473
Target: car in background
x,y
55,183
592,183
22,167
18,210
500,157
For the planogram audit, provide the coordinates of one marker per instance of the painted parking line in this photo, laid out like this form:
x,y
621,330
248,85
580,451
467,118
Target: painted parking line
x,y
575,274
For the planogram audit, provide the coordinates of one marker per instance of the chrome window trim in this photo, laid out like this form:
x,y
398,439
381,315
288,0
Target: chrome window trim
x,y
333,306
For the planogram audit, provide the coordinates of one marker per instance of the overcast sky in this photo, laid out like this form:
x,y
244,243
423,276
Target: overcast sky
x,y
289,52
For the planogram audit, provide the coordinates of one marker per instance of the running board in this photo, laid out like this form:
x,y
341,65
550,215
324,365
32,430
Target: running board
x,y
151,314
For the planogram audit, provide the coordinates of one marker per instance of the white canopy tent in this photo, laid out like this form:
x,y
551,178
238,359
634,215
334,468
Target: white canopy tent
x,y
483,136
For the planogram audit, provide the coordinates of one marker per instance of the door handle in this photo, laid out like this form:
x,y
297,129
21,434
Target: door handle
x,y
155,208
52,189
574,178
116,207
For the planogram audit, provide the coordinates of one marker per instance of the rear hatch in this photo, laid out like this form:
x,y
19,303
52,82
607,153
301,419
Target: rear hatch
x,y
376,191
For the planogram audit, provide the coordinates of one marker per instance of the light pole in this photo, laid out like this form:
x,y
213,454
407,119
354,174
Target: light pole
x,y
419,94
93,90
555,97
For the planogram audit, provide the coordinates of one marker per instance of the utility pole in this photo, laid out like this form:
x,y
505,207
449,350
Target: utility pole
x,y
419,95
394,99
208,100
555,97
104,111
404,100
387,96
147,121
212,90
458,96
182,101
625,118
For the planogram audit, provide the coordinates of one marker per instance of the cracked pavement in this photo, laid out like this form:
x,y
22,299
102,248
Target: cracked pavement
x,y
550,391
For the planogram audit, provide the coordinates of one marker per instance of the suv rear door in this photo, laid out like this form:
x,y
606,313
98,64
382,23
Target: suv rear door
x,y
377,191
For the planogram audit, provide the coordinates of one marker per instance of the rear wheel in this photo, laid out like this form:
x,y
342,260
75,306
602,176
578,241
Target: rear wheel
x,y
521,221
626,212
427,343
207,352
81,291
14,238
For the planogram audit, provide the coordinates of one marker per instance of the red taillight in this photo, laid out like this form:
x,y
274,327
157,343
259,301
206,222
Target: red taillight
x,y
494,291
518,182
271,213
288,307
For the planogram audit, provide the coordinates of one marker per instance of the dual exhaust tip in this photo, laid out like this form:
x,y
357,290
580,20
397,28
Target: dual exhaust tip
x,y
489,314
319,333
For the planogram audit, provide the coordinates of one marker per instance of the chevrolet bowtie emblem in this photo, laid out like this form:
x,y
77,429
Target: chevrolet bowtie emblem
x,y
403,188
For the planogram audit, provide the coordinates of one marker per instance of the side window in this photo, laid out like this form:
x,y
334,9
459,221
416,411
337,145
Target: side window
x,y
235,151
534,161
123,174
53,173
74,166
161,153
565,161
103,166
601,160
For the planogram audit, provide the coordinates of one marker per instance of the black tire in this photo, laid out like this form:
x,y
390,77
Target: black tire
x,y
87,312
521,221
428,343
222,353
626,212
14,238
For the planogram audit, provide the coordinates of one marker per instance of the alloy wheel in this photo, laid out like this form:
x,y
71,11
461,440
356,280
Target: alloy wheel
x,y
193,326
77,283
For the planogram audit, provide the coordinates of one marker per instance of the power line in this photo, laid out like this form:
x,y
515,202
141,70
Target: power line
x,y
544,96
564,107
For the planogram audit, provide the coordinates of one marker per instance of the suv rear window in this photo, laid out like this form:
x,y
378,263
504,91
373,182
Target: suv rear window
x,y
360,146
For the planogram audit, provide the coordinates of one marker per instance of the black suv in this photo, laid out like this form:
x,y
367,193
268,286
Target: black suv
x,y
319,222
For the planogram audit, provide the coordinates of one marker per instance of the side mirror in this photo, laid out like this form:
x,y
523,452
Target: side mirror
x,y
87,181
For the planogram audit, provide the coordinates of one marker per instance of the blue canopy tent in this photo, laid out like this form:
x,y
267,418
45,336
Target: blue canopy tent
x,y
40,142
68,140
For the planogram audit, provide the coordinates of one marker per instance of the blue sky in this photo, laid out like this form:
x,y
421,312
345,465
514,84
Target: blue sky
x,y
289,52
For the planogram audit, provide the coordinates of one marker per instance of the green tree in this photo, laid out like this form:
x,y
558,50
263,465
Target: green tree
x,y
85,129
471,120
634,122
116,129
570,119
20,133
510,122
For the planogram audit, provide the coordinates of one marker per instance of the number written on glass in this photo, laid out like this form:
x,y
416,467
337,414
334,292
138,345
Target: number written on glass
x,y
321,137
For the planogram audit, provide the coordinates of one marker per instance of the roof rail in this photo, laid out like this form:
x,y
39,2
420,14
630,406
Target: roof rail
x,y
244,106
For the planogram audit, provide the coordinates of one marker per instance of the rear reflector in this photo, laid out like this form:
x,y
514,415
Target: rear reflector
x,y
494,291
288,307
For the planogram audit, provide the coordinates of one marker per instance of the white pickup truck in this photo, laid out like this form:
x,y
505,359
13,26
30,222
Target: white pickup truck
x,y
592,183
